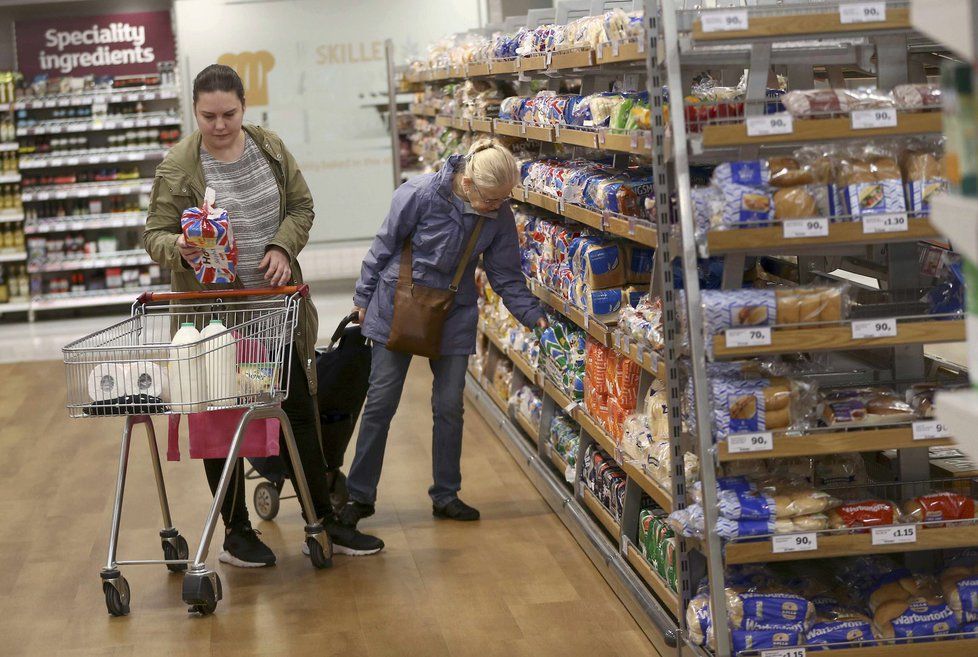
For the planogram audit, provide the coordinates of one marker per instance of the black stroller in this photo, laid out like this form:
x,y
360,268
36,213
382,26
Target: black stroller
x,y
343,373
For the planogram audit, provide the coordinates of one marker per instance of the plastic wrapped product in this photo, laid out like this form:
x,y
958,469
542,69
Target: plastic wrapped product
x,y
916,617
870,185
840,470
855,406
868,513
960,588
939,507
752,405
923,175
838,624
209,229
734,308
917,96
599,263
920,397
826,102
747,173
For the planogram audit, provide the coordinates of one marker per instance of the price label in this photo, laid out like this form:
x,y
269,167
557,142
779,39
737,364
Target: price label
x,y
755,336
862,12
61,195
55,129
142,123
72,161
64,102
772,124
795,543
930,429
817,227
41,196
894,535
134,157
785,652
132,98
740,443
874,328
724,21
95,159
874,118
894,222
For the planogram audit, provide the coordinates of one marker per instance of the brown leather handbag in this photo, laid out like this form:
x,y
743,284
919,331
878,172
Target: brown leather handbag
x,y
420,311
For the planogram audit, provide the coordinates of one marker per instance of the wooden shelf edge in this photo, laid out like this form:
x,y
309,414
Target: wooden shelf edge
x,y
533,433
841,545
497,400
668,597
791,24
841,442
558,462
595,431
927,648
658,494
602,514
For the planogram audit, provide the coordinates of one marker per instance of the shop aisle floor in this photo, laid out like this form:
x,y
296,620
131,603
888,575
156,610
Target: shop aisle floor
x,y
514,584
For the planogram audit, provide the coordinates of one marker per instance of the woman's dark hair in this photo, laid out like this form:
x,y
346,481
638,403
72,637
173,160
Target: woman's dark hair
x,y
218,77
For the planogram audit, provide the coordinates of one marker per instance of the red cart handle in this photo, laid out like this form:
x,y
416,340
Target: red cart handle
x,y
287,290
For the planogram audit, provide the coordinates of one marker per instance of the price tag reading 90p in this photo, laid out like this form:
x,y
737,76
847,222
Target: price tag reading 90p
x,y
795,228
874,118
874,328
772,124
794,543
862,12
930,429
739,443
755,336
724,21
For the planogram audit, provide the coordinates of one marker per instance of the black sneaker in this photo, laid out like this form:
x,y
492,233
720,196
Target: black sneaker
x,y
353,512
456,510
243,548
347,540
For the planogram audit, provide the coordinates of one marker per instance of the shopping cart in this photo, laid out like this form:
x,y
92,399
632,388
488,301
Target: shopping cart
x,y
133,369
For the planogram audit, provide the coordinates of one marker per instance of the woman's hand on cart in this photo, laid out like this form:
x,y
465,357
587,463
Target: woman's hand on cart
x,y
359,312
279,270
188,252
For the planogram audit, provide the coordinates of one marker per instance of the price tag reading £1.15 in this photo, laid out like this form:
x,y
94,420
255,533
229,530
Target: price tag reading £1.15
x,y
795,228
862,12
785,652
894,535
874,118
755,336
874,328
772,124
930,429
794,543
724,21
740,443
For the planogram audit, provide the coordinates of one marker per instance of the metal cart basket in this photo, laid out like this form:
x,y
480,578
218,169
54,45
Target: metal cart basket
x,y
134,368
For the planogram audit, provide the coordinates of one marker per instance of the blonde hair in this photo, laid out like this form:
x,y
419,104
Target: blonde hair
x,y
491,165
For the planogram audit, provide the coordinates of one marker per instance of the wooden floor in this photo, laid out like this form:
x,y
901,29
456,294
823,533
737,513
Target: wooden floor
x,y
514,584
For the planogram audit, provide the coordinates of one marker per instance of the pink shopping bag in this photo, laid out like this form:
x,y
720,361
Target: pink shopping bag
x,y
211,434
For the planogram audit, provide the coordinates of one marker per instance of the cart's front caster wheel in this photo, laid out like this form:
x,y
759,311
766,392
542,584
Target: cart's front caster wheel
x,y
202,591
266,500
174,549
320,550
117,593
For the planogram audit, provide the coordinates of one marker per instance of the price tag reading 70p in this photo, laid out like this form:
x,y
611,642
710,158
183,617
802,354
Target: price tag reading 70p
x,y
755,336
794,543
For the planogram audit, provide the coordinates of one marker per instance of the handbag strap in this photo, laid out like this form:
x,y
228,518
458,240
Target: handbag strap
x,y
405,275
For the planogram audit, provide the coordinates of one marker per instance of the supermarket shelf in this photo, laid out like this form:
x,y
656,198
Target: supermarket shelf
x,y
563,401
787,23
959,410
647,359
124,259
496,399
770,239
8,146
493,338
15,256
101,157
596,432
660,495
88,190
602,514
592,327
9,178
844,545
92,299
839,337
661,589
836,442
87,222
524,366
806,130
647,611
520,129
97,125
633,229
105,96
956,217
10,217
558,461
527,426
15,307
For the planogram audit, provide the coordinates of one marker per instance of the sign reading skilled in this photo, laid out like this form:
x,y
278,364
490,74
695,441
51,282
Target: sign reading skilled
x,y
113,44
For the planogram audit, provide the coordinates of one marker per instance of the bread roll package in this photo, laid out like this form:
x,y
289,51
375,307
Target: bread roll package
x,y
638,263
938,507
868,513
961,594
923,175
870,182
917,617
735,308
855,406
762,404
917,96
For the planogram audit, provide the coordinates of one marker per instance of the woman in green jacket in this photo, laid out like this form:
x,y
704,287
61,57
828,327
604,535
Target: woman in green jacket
x,y
271,210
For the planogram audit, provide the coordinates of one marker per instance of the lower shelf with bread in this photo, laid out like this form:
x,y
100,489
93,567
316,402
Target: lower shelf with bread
x,y
661,589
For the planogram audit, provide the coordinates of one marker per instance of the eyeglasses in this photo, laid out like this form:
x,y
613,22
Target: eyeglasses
x,y
488,201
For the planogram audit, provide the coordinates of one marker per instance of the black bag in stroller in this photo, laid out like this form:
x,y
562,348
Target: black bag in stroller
x,y
343,374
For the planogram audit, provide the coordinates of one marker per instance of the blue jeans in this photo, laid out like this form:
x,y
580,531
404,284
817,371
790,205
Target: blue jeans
x,y
388,370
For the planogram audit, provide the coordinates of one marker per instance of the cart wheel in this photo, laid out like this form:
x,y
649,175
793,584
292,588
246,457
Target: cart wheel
x,y
116,601
205,595
173,549
320,557
266,500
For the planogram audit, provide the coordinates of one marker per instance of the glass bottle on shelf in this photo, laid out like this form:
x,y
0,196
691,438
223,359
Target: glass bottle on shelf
x,y
4,291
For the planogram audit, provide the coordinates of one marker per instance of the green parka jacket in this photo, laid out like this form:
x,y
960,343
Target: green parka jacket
x,y
179,184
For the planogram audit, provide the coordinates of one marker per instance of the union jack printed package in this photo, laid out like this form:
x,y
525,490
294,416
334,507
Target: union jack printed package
x,y
209,229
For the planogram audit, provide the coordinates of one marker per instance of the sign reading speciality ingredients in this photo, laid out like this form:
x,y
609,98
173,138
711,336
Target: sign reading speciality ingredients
x,y
110,44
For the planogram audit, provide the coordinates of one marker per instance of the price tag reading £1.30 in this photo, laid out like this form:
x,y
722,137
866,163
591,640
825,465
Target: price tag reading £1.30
x,y
724,21
874,118
785,652
740,443
795,228
862,12
794,543
772,124
894,535
755,336
930,429
874,328
890,222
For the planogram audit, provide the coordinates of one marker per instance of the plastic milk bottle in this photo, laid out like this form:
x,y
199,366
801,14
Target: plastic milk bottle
x,y
220,364
183,369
